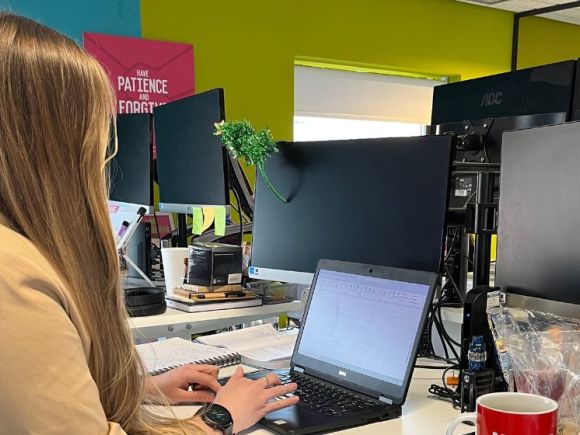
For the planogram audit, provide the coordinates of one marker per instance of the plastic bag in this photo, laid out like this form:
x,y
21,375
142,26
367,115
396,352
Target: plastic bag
x,y
540,354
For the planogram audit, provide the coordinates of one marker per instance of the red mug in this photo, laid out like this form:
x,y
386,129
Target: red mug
x,y
511,414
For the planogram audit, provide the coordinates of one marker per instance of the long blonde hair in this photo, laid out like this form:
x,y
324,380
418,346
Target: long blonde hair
x,y
56,110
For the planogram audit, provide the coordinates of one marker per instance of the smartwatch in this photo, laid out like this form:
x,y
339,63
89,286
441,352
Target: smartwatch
x,y
218,417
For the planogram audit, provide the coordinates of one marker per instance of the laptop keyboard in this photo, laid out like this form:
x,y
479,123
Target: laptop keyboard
x,y
324,398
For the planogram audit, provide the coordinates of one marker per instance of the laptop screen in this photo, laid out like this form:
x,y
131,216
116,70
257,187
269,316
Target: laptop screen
x,y
364,325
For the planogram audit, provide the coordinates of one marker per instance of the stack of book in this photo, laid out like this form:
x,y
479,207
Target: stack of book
x,y
192,298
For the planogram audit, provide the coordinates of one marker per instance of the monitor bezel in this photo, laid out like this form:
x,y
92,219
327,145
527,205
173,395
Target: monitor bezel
x,y
289,276
187,208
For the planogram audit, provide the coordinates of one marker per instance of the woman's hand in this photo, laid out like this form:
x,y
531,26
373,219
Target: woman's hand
x,y
174,384
248,401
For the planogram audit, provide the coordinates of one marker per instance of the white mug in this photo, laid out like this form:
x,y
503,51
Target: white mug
x,y
173,267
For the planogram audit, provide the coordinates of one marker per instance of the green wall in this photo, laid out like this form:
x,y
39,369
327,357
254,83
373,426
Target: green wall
x,y
249,47
545,41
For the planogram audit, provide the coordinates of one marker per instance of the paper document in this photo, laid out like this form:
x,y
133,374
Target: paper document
x,y
260,346
228,339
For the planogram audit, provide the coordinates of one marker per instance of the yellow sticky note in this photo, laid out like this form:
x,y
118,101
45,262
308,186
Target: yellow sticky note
x,y
208,216
220,221
197,224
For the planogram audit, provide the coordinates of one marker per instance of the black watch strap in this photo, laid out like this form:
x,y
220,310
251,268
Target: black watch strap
x,y
217,417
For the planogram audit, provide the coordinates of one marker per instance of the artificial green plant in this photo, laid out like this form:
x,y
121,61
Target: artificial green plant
x,y
242,140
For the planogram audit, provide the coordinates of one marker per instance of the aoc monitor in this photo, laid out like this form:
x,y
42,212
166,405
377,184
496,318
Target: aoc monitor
x,y
375,201
131,170
192,164
542,89
539,210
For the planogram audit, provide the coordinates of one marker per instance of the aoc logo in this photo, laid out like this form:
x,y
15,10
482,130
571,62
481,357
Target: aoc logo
x,y
492,99
342,373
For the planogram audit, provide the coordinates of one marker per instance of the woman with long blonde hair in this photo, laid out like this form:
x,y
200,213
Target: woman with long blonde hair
x,y
68,364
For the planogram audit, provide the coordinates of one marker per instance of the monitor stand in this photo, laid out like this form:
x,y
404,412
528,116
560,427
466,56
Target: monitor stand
x,y
181,230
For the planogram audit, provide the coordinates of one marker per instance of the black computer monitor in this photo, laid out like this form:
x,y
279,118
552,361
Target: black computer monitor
x,y
131,170
539,210
192,164
542,89
478,111
377,201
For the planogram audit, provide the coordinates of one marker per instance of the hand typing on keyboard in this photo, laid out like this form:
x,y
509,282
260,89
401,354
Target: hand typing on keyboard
x,y
248,401
324,398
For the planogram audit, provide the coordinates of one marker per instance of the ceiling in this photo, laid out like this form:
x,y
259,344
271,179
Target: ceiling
x,y
569,15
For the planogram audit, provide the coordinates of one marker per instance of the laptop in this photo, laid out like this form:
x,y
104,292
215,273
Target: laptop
x,y
357,347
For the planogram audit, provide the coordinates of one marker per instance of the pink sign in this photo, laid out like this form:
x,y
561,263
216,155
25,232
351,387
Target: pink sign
x,y
145,73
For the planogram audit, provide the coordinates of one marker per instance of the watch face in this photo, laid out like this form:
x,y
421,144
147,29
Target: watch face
x,y
219,415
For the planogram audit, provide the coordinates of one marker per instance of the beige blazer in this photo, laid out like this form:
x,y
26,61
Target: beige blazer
x,y
45,383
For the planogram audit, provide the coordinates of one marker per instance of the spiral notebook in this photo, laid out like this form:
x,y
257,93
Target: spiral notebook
x,y
162,356
259,346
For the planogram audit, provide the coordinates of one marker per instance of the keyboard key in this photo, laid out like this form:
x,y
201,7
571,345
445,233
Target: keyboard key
x,y
327,399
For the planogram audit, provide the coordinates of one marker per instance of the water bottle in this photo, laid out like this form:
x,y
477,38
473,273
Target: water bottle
x,y
477,354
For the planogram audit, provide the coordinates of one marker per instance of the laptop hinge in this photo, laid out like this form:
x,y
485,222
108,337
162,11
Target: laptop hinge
x,y
298,369
386,400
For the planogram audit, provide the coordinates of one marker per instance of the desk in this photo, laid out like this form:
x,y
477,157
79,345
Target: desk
x,y
421,415
175,323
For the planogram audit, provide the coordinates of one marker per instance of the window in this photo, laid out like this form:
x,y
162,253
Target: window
x,y
331,104
318,128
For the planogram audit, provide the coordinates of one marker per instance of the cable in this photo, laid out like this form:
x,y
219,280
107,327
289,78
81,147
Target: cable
x,y
427,349
236,209
485,152
440,358
444,392
450,250
434,321
462,252
451,284
454,284
469,199
240,216
446,338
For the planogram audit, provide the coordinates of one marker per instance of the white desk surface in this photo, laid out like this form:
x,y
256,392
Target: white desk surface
x,y
422,415
176,323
